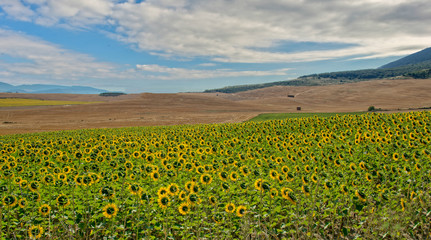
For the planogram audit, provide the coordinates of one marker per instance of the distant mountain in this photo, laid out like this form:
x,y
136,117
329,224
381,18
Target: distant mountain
x,y
45,88
4,87
415,58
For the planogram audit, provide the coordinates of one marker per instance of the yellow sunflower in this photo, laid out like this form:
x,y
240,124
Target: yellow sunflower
x,y
230,208
44,209
184,208
35,232
241,211
110,210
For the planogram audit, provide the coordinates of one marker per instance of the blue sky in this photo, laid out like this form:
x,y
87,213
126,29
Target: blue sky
x,y
189,45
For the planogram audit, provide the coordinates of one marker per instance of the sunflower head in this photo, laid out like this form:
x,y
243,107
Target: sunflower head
x,y
230,207
35,232
163,201
63,200
44,209
110,210
184,208
241,211
10,201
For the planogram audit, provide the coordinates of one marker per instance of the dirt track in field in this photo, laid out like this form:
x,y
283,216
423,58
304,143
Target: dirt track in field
x,y
149,109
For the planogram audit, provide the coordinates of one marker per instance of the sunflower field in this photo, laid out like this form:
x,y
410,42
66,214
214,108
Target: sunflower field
x,y
347,177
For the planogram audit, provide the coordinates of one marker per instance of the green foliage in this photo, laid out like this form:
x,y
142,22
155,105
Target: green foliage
x,y
281,116
371,108
362,176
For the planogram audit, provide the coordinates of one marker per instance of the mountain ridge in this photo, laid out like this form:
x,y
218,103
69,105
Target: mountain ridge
x,y
48,88
417,57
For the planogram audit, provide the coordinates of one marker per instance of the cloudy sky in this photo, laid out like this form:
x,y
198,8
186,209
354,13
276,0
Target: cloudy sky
x,y
190,45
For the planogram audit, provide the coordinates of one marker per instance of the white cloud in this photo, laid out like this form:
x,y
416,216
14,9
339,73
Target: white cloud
x,y
245,31
166,73
16,9
37,57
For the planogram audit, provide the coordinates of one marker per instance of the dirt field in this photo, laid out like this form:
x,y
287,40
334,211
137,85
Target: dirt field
x,y
148,109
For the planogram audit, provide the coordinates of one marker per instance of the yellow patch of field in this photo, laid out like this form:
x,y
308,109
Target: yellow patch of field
x,y
20,102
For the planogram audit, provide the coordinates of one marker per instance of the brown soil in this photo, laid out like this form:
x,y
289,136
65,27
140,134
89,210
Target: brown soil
x,y
149,109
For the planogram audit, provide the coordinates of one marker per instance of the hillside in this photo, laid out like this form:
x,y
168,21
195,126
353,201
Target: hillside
x,y
418,57
417,66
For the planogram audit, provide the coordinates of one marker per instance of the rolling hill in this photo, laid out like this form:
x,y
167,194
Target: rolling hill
x,y
417,65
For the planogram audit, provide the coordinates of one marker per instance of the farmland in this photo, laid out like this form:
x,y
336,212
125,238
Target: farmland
x,y
151,109
19,102
352,176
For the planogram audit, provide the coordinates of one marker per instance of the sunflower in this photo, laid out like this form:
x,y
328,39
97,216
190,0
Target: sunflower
x,y
155,176
225,186
193,198
44,209
134,189
145,197
368,177
163,191
273,192
182,195
344,189
288,194
62,200
361,195
241,211
212,200
110,210
87,180
273,174
35,232
223,176
206,179
34,196
258,184
306,190
107,192
285,169
230,208
245,170
62,176
189,185
328,185
352,167
363,166
233,176
184,208
115,177
305,179
163,201
314,178
217,218
10,201
48,179
173,189
22,203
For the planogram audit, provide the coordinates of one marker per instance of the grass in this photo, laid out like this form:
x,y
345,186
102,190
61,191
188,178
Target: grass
x,y
20,102
279,116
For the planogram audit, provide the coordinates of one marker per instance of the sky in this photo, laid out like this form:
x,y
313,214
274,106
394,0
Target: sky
x,y
166,46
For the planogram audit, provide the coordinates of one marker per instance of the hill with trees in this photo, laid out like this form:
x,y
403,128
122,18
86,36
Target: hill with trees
x,y
417,65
